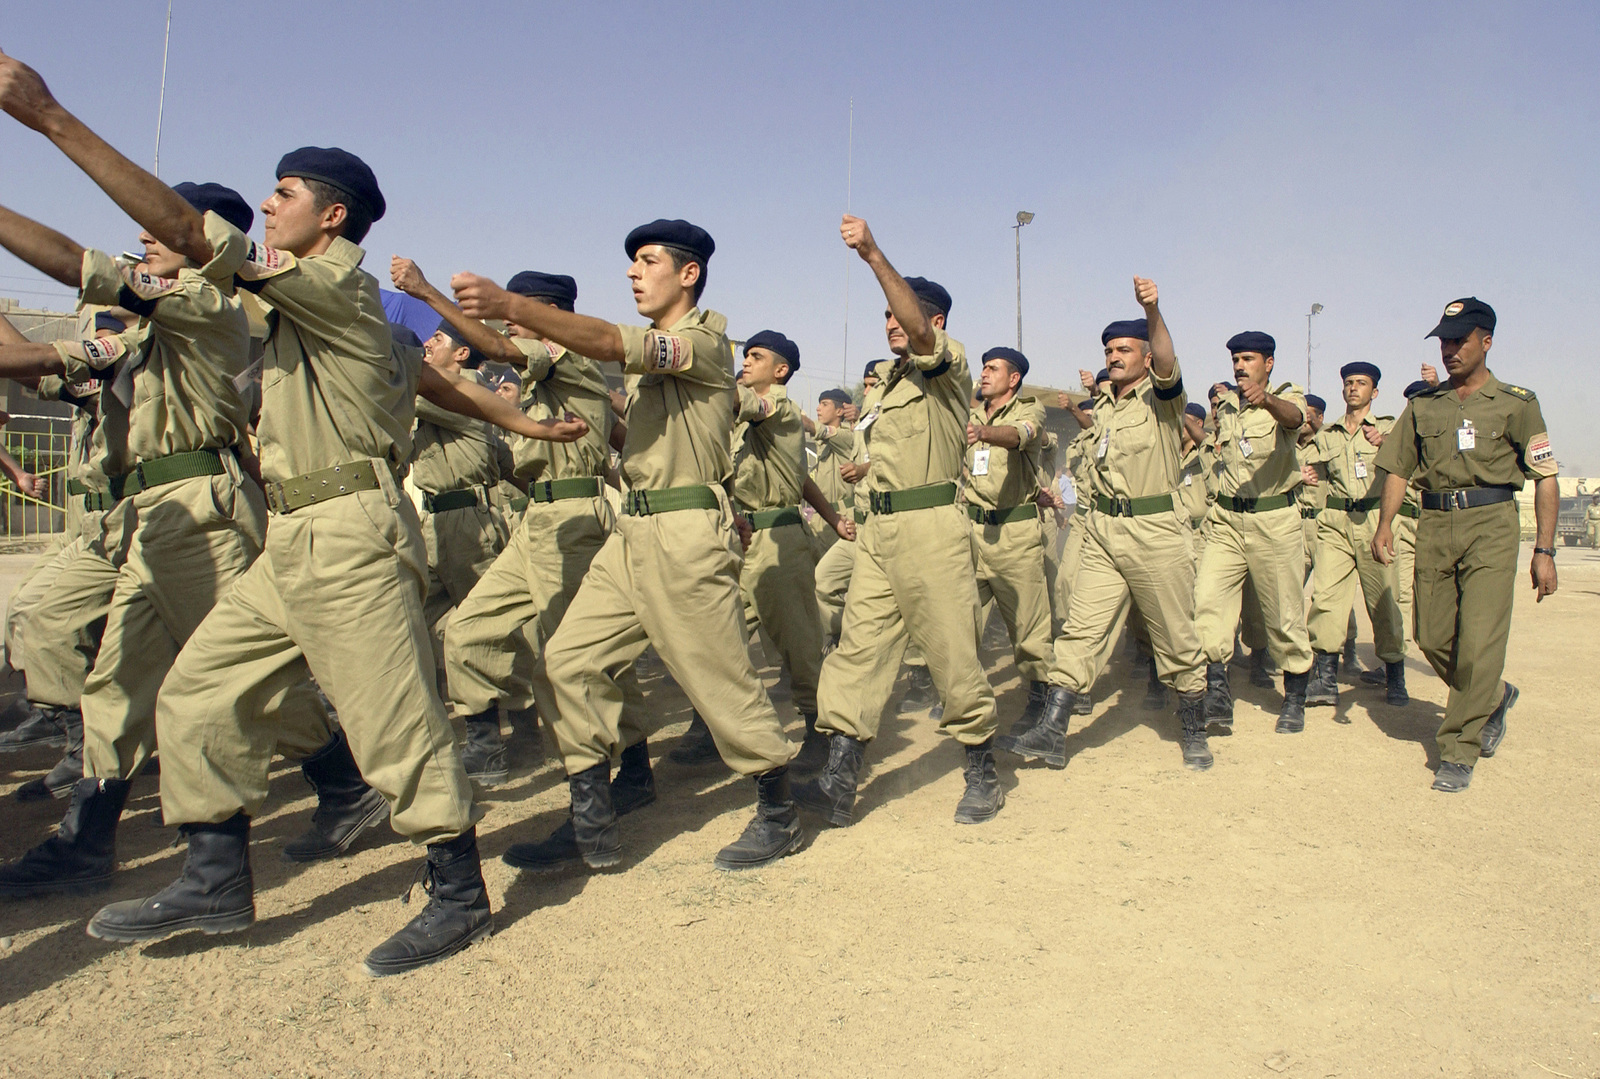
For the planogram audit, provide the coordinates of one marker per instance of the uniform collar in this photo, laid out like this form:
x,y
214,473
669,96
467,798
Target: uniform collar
x,y
343,251
711,320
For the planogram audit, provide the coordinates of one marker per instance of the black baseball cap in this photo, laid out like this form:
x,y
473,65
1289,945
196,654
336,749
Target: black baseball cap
x,y
1463,316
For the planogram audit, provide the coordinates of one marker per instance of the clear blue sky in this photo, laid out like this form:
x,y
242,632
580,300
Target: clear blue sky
x,y
1379,159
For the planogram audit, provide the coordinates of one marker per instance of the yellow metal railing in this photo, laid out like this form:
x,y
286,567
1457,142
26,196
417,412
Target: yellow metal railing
x,y
44,453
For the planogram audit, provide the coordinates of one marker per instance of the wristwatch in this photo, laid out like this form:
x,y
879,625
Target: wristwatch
x,y
1551,551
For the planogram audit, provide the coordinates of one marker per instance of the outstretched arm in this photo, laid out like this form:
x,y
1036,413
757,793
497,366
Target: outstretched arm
x,y
466,397
154,205
1162,355
903,303
595,338
409,280
41,247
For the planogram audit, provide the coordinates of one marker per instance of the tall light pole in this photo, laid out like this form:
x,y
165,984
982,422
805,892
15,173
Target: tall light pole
x,y
1316,309
1023,217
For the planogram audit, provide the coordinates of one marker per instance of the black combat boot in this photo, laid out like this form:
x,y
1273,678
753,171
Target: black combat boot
x,y
634,785
1494,729
813,755
1192,723
346,806
484,754
214,895
696,746
1155,693
1395,677
772,833
1218,701
832,795
1376,677
38,728
1292,715
1323,687
1047,740
1032,712
456,915
920,691
1082,704
984,795
1352,665
588,835
59,781
82,855
1260,672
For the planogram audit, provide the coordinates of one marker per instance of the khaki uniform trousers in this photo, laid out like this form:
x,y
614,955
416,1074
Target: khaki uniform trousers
x,y
1405,568
32,590
501,629
778,586
1145,560
1268,550
832,574
1054,540
178,548
64,627
1010,561
1308,536
1466,583
670,580
913,582
1344,559
336,593
462,544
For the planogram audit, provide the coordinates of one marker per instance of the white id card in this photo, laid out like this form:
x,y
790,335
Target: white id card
x,y
1466,437
1361,469
1105,445
868,420
980,461
1245,449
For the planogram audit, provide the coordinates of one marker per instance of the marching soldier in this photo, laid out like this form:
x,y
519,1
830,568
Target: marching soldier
x,y
1469,444
1255,531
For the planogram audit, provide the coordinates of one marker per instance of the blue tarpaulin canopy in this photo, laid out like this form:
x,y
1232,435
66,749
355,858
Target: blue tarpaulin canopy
x,y
410,312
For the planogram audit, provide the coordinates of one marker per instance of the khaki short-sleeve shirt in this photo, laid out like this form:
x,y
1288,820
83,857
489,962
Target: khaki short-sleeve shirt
x,y
555,382
681,403
769,451
1346,462
916,433
1000,478
1258,457
1137,439
450,451
1495,438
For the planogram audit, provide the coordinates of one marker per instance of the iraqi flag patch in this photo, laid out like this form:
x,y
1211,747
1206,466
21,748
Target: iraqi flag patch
x,y
669,353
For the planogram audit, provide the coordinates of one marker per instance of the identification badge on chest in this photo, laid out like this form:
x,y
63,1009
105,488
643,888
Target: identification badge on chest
x,y
1104,447
1245,449
1361,469
980,461
1466,436
868,420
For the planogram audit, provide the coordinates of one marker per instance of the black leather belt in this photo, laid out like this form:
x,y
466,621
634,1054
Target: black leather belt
x,y
1466,498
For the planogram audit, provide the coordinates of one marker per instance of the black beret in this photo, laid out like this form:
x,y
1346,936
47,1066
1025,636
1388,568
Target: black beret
x,y
550,286
405,335
1463,316
1361,367
1419,386
1253,341
838,396
1195,409
1102,375
1086,405
1137,328
105,320
341,169
1214,393
676,233
1313,401
773,341
932,292
225,202
461,342
1011,356
872,369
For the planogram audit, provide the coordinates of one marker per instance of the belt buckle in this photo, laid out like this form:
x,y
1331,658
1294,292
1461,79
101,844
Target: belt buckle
x,y
1247,505
1121,507
549,489
1459,499
878,502
274,493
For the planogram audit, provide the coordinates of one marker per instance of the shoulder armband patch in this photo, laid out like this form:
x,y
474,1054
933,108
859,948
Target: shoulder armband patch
x,y
1540,452
1170,393
1518,392
98,352
667,352
141,290
264,262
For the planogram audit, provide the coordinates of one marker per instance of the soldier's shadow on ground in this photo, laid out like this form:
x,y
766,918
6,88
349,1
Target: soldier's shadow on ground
x,y
1415,722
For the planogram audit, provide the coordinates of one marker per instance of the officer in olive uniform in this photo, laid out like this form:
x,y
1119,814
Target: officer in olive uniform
x,y
1255,531
913,574
1341,463
1004,437
1469,444
1137,540
668,577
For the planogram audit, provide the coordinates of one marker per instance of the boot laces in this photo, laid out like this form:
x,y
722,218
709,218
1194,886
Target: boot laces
x,y
427,877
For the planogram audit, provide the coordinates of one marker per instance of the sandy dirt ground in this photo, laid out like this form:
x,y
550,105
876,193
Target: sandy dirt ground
x,y
1308,908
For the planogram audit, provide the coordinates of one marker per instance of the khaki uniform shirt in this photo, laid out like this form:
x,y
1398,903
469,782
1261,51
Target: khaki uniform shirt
x,y
556,382
769,451
1258,457
333,389
1346,462
170,379
450,451
1137,439
998,478
834,445
681,403
1192,492
1495,438
1310,497
916,434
